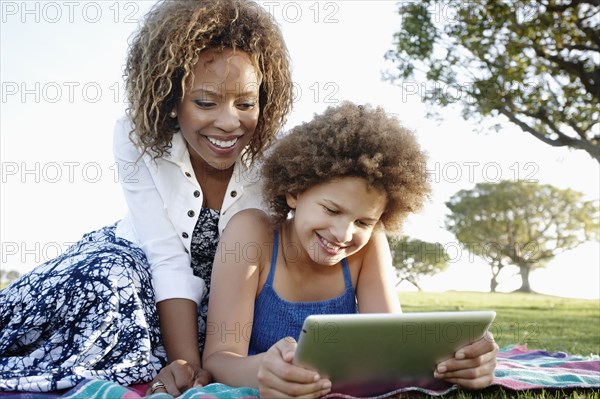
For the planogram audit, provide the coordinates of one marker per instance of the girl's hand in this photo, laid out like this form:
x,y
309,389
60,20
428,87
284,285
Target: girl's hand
x,y
179,376
278,377
472,365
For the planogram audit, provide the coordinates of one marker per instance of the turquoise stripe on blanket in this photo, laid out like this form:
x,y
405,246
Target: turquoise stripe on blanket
x,y
100,389
104,389
518,369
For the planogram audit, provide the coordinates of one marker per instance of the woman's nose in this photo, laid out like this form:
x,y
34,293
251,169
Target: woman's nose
x,y
227,119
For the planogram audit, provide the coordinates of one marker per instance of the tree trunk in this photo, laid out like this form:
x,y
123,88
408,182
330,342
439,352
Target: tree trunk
x,y
493,284
524,272
496,267
414,282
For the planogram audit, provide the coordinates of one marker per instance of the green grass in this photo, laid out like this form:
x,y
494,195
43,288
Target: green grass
x,y
539,321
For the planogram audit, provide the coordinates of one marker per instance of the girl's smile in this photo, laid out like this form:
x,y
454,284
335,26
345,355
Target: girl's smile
x,y
329,246
335,219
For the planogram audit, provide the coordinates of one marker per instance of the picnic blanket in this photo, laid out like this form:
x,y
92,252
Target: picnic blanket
x,y
518,369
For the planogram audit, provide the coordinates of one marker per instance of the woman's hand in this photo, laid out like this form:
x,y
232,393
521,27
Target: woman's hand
x,y
472,365
177,377
278,377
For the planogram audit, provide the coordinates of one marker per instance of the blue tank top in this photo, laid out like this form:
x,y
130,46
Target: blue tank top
x,y
276,318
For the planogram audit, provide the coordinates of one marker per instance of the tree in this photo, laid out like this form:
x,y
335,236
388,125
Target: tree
x,y
521,223
12,275
535,63
414,258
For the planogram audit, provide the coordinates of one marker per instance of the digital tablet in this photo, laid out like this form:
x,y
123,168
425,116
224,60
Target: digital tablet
x,y
385,350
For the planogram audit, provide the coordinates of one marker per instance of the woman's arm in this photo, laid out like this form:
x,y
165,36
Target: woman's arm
x,y
148,212
179,326
375,291
169,265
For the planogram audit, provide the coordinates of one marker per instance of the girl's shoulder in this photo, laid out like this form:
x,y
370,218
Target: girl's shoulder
x,y
251,223
249,234
251,215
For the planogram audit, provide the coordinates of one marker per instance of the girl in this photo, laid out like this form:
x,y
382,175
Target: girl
x,y
335,185
209,86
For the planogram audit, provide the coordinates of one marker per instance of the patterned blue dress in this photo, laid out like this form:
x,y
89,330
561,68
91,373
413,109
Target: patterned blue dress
x,y
90,314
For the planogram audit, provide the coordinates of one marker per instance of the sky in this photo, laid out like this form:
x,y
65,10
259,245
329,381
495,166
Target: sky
x,y
62,91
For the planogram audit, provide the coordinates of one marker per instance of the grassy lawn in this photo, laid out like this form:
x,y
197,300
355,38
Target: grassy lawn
x,y
540,321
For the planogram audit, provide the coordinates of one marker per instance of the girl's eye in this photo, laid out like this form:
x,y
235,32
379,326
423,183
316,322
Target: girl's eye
x,y
329,210
363,224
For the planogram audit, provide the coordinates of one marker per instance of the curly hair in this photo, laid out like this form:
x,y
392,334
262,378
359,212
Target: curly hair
x,y
163,53
349,140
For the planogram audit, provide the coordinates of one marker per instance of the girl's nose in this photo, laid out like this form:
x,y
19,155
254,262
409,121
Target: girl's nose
x,y
343,232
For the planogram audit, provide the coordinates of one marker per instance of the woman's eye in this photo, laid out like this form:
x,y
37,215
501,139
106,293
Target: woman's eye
x,y
204,104
246,105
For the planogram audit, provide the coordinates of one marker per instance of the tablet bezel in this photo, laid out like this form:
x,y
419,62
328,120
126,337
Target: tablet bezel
x,y
364,348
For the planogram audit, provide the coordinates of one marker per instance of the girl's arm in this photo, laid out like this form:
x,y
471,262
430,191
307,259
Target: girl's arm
x,y
375,291
471,367
244,244
245,247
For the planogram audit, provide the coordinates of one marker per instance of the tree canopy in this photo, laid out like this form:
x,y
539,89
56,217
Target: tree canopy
x,y
535,63
414,258
521,223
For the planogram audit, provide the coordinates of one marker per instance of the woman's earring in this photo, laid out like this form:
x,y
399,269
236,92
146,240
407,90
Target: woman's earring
x,y
173,114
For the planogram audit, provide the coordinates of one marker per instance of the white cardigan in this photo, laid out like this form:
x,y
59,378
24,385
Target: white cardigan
x,y
164,200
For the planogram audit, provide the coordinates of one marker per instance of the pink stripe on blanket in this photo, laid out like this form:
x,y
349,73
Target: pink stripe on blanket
x,y
515,385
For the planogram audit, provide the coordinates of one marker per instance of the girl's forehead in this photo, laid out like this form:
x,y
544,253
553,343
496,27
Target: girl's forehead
x,y
350,182
351,192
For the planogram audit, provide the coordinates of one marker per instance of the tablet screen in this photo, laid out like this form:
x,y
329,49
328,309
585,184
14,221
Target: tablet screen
x,y
383,349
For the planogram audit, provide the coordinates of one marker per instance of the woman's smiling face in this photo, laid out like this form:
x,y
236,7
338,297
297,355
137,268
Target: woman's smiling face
x,y
219,113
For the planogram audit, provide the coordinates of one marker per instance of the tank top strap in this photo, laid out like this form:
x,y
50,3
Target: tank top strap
x,y
347,276
273,259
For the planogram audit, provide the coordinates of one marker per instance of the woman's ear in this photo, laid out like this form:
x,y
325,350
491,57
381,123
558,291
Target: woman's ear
x,y
291,199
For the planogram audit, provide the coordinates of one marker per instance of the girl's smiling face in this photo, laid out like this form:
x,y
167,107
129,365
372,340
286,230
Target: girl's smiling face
x,y
219,113
334,220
